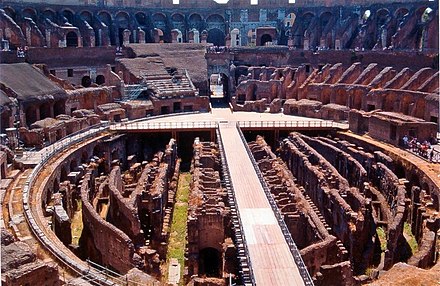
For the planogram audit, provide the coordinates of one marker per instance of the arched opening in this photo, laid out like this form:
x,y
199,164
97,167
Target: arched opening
x,y
29,13
31,115
178,21
86,81
105,18
122,20
49,14
44,110
100,79
141,19
63,175
219,86
56,187
86,16
210,262
266,38
68,16
71,39
195,22
59,107
73,165
216,37
382,19
84,157
400,14
160,23
10,12
324,29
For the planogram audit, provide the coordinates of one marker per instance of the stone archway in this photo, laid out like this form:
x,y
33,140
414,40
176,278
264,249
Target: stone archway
x,y
100,79
71,39
266,38
216,37
86,81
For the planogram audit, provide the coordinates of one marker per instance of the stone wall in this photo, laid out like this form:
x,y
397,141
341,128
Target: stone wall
x,y
208,219
304,221
115,249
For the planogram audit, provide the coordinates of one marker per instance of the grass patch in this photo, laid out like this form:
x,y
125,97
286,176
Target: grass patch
x,y
77,224
177,241
410,238
382,238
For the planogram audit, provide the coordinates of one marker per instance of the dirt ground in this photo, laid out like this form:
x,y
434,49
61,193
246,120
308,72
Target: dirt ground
x,y
402,274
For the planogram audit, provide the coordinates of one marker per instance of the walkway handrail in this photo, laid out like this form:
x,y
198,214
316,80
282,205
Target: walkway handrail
x,y
38,232
166,125
292,246
231,194
292,124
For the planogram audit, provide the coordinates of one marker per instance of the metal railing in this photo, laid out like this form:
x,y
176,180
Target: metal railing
x,y
88,274
133,91
233,203
292,124
145,125
290,242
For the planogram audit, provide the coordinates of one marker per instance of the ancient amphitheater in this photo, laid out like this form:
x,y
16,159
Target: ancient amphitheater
x,y
209,142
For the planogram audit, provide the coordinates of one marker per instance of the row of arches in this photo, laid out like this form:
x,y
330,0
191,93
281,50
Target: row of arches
x,y
67,15
365,28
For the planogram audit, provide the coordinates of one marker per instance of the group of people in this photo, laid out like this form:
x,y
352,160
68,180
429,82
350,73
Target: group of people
x,y
21,52
216,49
423,149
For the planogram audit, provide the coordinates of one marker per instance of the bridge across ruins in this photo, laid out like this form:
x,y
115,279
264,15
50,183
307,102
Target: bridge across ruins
x,y
272,257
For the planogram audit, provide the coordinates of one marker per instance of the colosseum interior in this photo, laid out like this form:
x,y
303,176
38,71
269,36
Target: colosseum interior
x,y
219,142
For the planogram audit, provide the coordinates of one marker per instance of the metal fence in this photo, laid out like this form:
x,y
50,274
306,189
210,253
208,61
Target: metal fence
x,y
94,273
292,124
89,274
145,125
293,249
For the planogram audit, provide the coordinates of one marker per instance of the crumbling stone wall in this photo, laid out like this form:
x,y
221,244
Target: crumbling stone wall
x,y
115,249
343,207
306,224
207,215
20,265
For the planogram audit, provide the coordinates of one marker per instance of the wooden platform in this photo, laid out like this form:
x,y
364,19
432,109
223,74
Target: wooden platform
x,y
272,262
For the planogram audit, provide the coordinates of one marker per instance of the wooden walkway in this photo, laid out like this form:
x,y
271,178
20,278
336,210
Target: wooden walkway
x,y
271,259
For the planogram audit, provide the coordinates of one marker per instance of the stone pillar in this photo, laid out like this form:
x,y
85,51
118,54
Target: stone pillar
x,y
322,43
51,110
337,44
126,37
100,37
135,37
48,42
29,36
235,38
204,37
306,44
196,37
141,36
92,38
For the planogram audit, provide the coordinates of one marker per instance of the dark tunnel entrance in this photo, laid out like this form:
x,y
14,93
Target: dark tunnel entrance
x,y
210,262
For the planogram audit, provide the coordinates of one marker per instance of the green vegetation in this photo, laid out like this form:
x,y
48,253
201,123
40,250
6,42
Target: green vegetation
x,y
177,241
77,224
410,238
383,238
